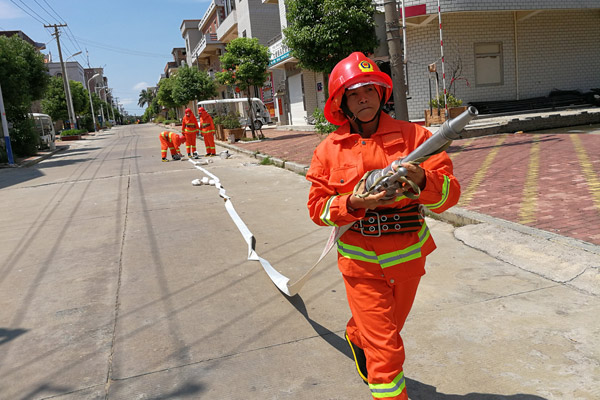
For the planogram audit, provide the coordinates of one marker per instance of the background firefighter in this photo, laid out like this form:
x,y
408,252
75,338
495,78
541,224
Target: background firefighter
x,y
172,141
207,129
382,256
190,130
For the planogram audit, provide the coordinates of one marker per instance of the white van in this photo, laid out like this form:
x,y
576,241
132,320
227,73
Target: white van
x,y
45,128
262,115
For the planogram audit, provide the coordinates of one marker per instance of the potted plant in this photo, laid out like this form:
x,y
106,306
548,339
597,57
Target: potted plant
x,y
231,126
436,113
219,131
72,134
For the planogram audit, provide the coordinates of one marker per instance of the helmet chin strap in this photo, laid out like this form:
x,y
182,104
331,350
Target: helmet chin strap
x,y
352,117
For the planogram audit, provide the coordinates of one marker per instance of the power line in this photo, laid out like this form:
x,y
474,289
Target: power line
x,y
33,11
52,10
119,49
50,15
26,12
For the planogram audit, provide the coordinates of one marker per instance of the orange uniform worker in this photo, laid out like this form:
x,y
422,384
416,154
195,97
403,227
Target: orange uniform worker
x,y
207,129
172,141
382,256
190,129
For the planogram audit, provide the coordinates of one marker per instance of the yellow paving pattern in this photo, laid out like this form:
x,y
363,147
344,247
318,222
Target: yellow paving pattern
x,y
588,171
464,144
527,213
468,194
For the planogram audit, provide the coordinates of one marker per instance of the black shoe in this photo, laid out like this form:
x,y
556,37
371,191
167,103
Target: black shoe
x,y
207,155
359,359
176,157
196,156
165,160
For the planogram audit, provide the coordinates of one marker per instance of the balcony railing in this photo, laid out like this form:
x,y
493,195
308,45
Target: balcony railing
x,y
207,39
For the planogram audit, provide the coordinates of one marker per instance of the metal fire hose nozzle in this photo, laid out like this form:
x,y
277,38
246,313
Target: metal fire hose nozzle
x,y
386,179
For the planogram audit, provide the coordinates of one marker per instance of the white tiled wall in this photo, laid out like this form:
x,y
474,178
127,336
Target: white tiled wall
x,y
556,49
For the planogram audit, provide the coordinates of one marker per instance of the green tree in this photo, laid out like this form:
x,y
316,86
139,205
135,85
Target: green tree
x,y
54,103
146,97
24,78
193,84
245,65
320,33
164,96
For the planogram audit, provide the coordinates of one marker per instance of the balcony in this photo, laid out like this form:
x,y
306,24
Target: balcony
x,y
210,11
228,30
280,54
208,45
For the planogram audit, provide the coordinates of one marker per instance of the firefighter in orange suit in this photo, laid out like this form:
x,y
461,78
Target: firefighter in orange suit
x,y
207,129
382,256
171,141
190,129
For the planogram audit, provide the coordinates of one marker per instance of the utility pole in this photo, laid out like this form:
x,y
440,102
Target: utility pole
x,y
64,75
394,42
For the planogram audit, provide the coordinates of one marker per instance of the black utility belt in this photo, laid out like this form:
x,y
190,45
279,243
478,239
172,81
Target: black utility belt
x,y
390,220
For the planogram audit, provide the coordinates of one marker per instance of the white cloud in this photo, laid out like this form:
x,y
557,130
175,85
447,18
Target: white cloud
x,y
8,11
141,86
127,101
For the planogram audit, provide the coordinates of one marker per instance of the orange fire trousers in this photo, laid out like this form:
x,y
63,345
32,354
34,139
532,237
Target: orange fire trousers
x,y
209,142
379,311
190,142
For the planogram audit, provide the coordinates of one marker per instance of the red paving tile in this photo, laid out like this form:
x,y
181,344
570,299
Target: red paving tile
x,y
566,198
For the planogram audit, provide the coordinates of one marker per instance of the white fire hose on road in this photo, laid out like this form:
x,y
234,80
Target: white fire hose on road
x,y
281,281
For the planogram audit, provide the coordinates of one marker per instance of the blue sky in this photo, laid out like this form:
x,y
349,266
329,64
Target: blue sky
x,y
131,39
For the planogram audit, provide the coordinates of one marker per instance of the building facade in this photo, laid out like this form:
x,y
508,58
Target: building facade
x,y
508,50
223,21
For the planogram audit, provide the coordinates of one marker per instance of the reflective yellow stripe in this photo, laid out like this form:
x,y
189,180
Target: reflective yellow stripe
x,y
384,390
387,260
410,253
356,253
445,192
326,215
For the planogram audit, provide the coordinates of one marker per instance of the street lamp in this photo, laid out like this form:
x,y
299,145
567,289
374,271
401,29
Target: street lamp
x,y
101,108
70,108
91,103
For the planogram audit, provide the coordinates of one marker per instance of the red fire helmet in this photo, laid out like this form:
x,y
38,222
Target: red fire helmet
x,y
353,71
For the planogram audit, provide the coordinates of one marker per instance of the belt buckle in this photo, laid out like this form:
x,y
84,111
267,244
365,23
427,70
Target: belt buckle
x,y
362,228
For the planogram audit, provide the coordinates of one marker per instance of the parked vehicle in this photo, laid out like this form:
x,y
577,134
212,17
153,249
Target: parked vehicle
x,y
240,105
45,129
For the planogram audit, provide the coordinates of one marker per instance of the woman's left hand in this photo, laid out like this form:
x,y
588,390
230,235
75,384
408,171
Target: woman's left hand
x,y
415,174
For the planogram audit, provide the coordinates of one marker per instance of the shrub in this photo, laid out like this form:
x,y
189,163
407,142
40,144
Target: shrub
x,y
24,139
229,121
73,132
159,120
322,126
439,102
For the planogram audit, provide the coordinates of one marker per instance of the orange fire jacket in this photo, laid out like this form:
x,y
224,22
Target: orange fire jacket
x,y
337,165
189,125
206,124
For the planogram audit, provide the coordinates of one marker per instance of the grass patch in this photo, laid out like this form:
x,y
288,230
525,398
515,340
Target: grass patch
x,y
266,161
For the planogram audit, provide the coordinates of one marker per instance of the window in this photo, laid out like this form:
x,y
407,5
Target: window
x,y
244,33
488,64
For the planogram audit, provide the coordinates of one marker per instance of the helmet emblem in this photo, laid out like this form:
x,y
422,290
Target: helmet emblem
x,y
365,66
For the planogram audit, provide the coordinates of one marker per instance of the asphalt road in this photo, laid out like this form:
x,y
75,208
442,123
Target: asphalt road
x,y
119,279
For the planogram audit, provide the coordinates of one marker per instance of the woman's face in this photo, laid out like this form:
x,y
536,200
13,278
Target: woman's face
x,y
363,102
